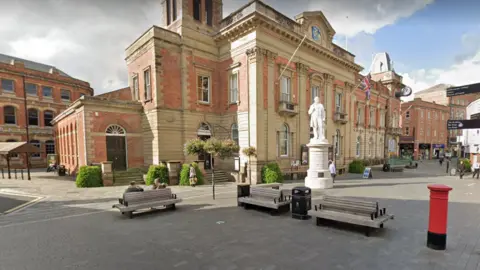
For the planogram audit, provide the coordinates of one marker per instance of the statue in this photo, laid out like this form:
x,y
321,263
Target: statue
x,y
317,119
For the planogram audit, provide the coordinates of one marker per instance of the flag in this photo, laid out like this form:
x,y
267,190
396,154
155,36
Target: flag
x,y
366,86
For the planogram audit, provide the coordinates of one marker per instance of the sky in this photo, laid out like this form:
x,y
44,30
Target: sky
x,y
429,41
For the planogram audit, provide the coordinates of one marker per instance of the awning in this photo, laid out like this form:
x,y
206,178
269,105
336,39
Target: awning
x,y
18,148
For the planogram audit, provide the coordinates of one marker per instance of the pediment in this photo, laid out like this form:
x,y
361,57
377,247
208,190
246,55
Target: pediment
x,y
317,26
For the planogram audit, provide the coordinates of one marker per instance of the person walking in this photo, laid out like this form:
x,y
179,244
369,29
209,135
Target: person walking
x,y
193,176
476,169
448,164
333,170
461,169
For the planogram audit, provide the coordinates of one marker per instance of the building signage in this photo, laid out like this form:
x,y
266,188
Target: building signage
x,y
463,124
463,90
438,146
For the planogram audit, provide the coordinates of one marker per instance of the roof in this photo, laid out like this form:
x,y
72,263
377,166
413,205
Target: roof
x,y
435,88
30,64
18,147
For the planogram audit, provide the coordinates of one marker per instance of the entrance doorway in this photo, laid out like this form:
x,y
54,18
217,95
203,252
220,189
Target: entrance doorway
x,y
204,133
116,147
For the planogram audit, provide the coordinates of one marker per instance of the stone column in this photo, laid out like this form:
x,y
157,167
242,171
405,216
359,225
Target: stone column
x,y
327,104
271,149
303,129
349,134
256,131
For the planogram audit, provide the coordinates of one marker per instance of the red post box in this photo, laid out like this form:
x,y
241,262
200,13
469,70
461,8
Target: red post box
x,y
437,223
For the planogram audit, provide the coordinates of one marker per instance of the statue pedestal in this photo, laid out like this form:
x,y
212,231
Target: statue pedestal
x,y
318,175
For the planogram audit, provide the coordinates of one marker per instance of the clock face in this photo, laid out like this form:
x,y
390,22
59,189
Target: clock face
x,y
315,33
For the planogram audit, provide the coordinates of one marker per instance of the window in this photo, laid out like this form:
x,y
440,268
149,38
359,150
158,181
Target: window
x,y
235,133
315,92
370,147
47,118
31,89
37,144
209,11
382,119
13,155
47,91
284,135
197,6
169,13
65,95
434,133
421,113
203,88
338,102
428,114
9,115
33,117
174,10
285,89
147,85
135,87
50,147
372,117
407,131
234,87
407,114
337,143
358,147
360,115
435,116
8,85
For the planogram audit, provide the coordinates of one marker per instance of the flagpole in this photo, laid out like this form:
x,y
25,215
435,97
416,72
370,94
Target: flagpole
x,y
290,60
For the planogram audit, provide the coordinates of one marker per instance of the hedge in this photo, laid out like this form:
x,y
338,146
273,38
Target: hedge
x,y
89,176
271,173
357,166
185,175
157,171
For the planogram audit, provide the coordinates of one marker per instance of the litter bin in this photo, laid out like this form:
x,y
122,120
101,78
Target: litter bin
x,y
301,202
243,190
61,170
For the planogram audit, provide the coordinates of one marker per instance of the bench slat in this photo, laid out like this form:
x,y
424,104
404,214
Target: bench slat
x,y
144,205
350,218
348,200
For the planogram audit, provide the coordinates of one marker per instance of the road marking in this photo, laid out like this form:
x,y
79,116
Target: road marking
x,y
24,205
471,184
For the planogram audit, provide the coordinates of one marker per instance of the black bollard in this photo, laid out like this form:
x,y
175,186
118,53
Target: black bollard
x,y
21,171
15,173
3,174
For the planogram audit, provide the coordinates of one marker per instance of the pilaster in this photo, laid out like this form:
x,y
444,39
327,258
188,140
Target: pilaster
x,y
328,105
303,129
270,121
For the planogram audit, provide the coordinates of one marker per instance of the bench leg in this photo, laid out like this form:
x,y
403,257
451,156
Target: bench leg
x,y
245,205
318,221
130,214
367,232
274,212
381,225
170,206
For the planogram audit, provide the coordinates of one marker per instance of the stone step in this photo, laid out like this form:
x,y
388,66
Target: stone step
x,y
220,177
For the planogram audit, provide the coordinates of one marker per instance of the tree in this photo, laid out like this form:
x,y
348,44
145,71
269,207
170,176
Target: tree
x,y
250,151
215,147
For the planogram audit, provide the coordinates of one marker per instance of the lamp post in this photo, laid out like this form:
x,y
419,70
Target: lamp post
x,y
27,155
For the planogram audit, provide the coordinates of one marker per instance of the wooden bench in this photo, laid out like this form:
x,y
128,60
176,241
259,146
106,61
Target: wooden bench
x,y
270,198
133,201
271,185
359,212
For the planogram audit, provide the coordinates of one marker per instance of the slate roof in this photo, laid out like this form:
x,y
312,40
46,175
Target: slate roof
x,y
31,64
435,88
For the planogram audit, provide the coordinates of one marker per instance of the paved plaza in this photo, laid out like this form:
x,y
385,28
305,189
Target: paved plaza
x,y
77,229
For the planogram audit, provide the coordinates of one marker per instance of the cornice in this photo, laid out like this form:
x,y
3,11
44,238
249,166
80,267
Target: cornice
x,y
302,68
328,77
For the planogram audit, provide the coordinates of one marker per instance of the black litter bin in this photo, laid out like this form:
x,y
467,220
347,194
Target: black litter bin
x,y
62,171
301,202
243,190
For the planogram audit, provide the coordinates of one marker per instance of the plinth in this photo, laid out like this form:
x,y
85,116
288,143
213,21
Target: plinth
x,y
318,174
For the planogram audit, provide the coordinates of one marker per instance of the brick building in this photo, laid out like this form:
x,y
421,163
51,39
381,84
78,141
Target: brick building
x,y
424,127
201,76
48,92
457,110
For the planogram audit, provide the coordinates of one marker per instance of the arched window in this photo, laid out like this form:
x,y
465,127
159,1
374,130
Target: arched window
x,y
284,137
115,130
235,133
47,118
12,155
37,144
359,146
33,117
9,115
50,147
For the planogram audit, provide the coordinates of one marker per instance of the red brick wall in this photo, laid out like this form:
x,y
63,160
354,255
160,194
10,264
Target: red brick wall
x,y
120,94
137,67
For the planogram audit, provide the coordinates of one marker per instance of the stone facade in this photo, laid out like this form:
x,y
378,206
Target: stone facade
x,y
424,129
49,91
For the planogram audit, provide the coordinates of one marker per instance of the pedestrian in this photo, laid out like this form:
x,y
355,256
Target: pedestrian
x,y
448,164
476,169
461,169
333,170
158,185
193,176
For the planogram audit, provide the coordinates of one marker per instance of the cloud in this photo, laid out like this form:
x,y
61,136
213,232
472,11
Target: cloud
x,y
87,39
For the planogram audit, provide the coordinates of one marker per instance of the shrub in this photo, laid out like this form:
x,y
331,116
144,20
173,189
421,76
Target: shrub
x,y
157,171
468,165
357,166
185,174
271,173
250,151
194,147
89,176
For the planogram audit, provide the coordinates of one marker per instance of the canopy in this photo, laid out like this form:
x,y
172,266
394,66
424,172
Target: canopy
x,y
18,148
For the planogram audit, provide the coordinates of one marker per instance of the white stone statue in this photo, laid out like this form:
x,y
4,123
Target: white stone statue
x,y
317,119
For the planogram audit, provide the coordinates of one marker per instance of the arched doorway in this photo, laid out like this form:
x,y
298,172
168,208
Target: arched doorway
x,y
204,133
116,147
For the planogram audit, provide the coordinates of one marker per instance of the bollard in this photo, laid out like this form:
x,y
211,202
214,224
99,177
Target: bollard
x,y
21,172
15,173
3,174
437,223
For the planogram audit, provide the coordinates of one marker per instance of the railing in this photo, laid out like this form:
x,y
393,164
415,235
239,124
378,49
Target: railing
x,y
340,117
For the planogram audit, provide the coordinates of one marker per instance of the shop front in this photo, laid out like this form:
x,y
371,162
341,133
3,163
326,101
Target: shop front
x,y
424,150
406,150
438,150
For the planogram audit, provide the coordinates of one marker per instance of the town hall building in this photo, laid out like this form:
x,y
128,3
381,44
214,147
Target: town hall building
x,y
200,75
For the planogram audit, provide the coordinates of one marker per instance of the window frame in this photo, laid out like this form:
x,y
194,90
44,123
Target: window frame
x,y
232,129
285,131
38,116
13,155
286,96
233,93
147,84
14,115
27,90
38,144
338,97
201,89
314,89
43,91
197,10
6,90
407,114
45,123
209,12
407,131
62,91
358,147
135,84
48,145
